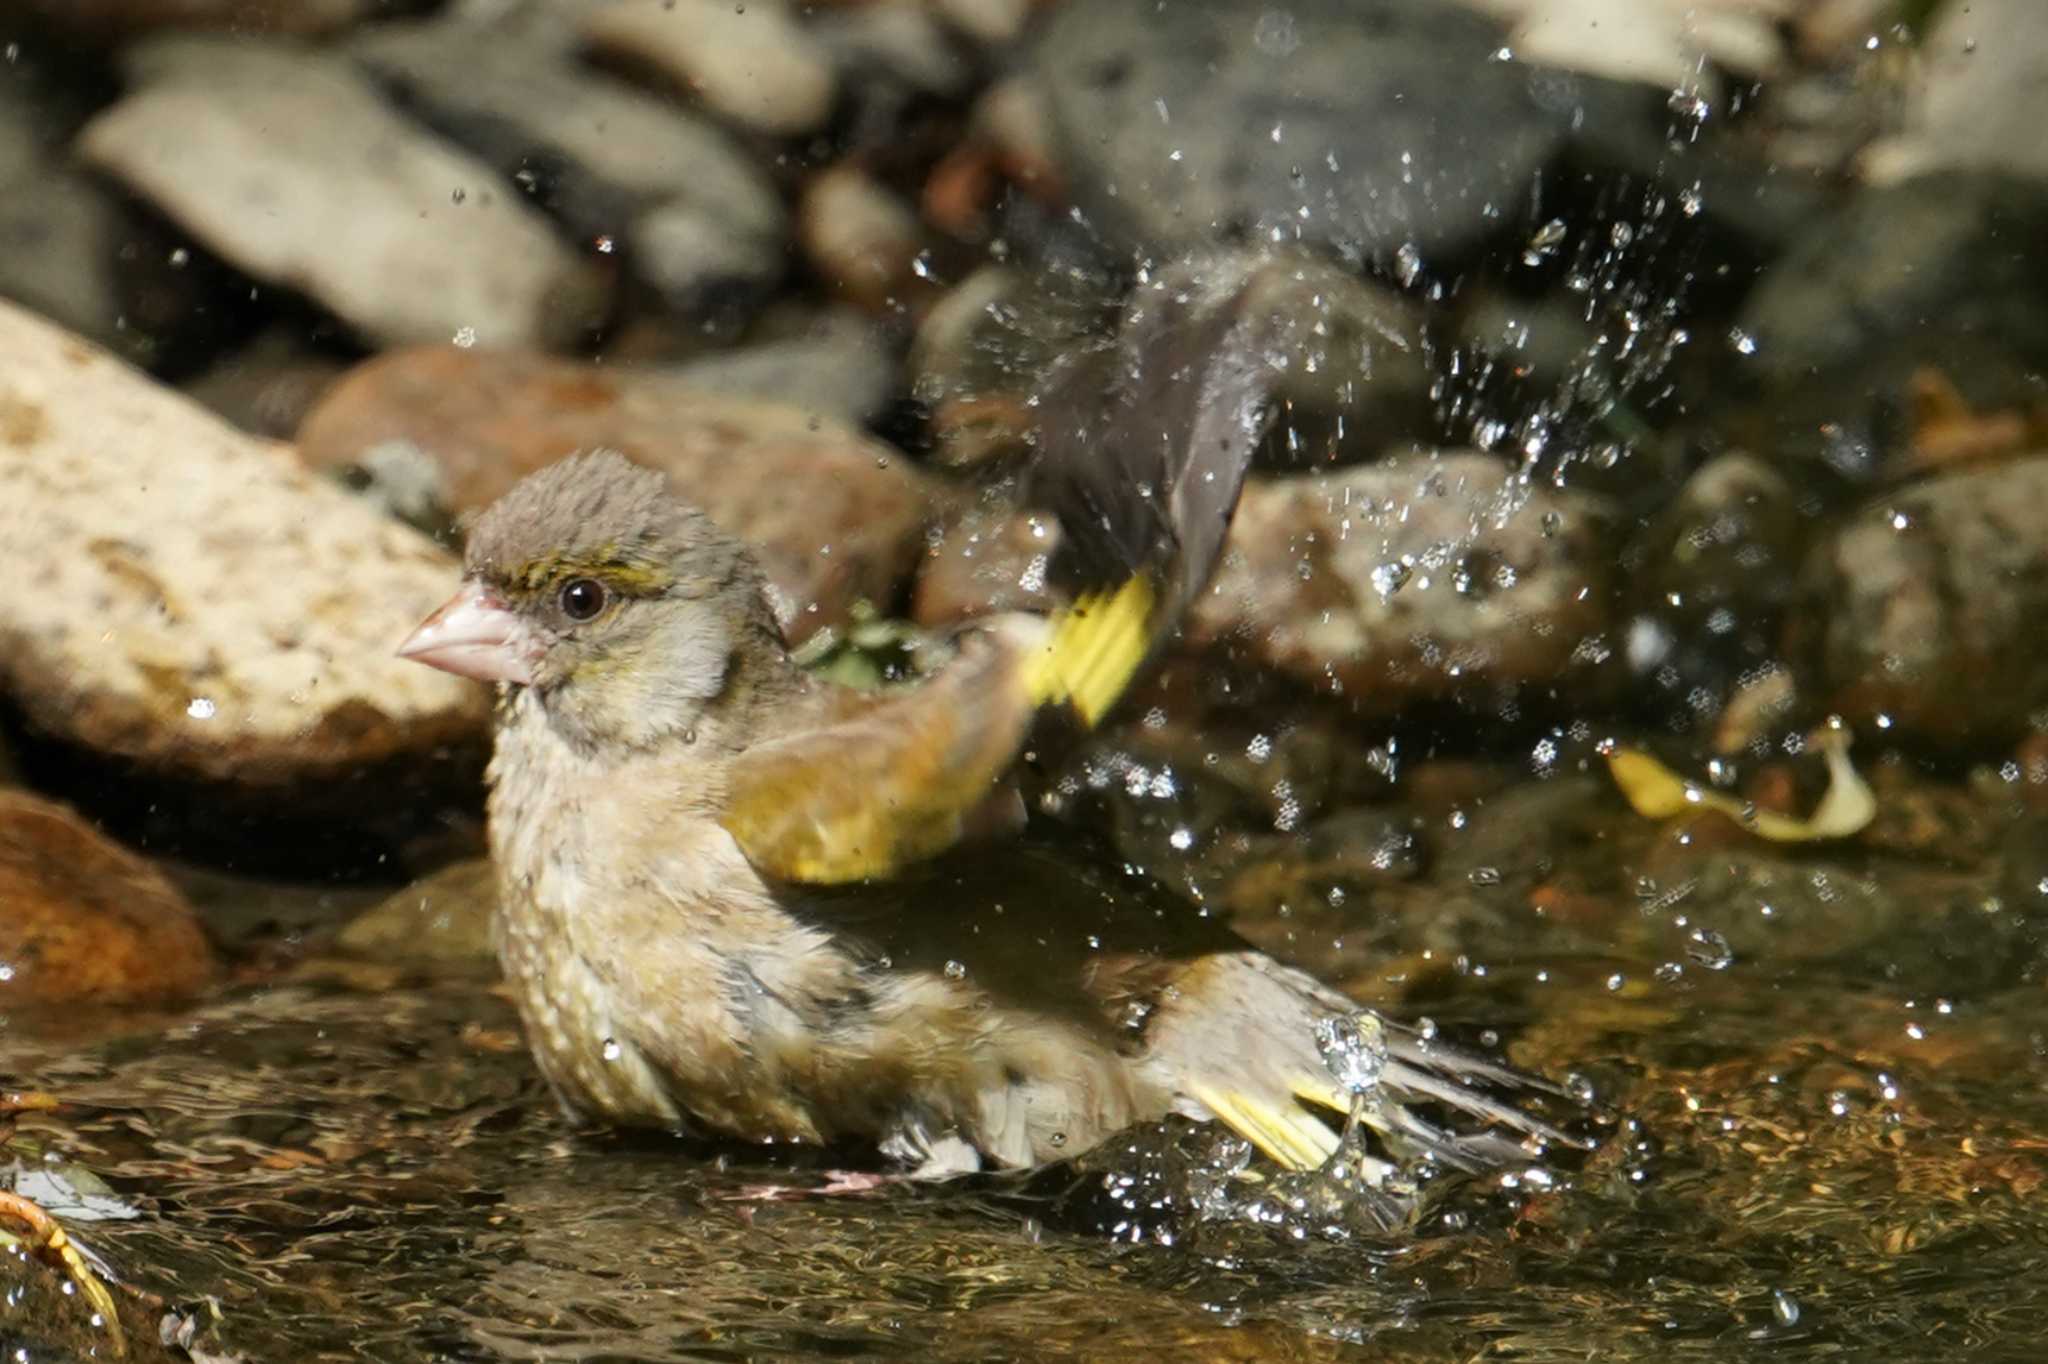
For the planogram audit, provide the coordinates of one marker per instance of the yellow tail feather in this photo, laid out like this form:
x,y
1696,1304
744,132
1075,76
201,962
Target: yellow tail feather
x,y
1290,1135
1094,648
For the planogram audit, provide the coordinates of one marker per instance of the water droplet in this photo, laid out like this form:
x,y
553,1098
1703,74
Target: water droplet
x,y
1354,1048
612,1050
1709,949
1784,1307
458,194
956,970
1668,973
1484,876
200,708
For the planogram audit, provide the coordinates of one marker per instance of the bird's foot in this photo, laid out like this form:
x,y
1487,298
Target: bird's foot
x,y
46,1237
837,1183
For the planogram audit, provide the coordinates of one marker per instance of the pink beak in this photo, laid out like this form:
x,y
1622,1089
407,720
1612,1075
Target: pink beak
x,y
474,634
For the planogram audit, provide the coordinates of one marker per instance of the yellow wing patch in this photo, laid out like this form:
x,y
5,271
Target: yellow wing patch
x,y
1290,1135
1093,649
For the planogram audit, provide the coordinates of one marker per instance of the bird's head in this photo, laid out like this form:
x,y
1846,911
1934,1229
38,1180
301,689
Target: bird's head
x,y
618,606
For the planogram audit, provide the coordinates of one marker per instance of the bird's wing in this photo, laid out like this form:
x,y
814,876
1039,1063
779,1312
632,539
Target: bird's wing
x,y
902,779
1143,455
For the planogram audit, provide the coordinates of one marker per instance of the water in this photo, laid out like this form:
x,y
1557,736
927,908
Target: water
x,y
1827,1142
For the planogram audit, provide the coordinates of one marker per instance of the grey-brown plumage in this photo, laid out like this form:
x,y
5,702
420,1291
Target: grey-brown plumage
x,y
670,799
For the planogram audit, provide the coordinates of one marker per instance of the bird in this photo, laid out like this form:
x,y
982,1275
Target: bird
x,y
739,900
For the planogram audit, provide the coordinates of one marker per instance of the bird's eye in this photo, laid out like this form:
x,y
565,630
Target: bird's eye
x,y
582,598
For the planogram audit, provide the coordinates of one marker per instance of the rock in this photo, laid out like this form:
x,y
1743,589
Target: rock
x,y
203,606
836,363
1710,577
85,921
1978,98
1367,125
750,63
862,240
116,20
288,164
1421,578
606,150
984,349
1655,42
896,43
990,558
444,918
1924,606
990,22
837,516
1424,577
695,259
267,387
59,237
1353,378
1934,270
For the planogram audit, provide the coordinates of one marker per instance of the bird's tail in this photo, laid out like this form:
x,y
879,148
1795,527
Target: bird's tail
x,y
1281,1060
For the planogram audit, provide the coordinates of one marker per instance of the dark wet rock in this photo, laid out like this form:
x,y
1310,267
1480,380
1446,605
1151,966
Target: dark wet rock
x,y
861,239
900,46
1941,269
1363,126
269,385
204,606
1710,576
441,919
1424,577
984,350
751,64
838,516
83,920
59,237
1353,380
596,150
1544,342
836,362
264,151
700,265
107,21
1924,606
1978,96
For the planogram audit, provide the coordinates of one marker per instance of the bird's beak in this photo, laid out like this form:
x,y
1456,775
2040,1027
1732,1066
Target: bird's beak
x,y
474,634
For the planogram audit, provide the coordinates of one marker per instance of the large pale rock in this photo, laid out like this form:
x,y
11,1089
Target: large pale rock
x,y
84,920
1423,577
836,516
190,597
289,165
750,63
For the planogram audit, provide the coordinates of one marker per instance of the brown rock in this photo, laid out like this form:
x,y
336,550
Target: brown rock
x,y
837,516
991,558
83,920
1925,606
443,918
861,239
199,603
1421,577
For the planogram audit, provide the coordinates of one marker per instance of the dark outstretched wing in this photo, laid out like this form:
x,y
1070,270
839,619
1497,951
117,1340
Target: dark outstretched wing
x,y
1143,466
